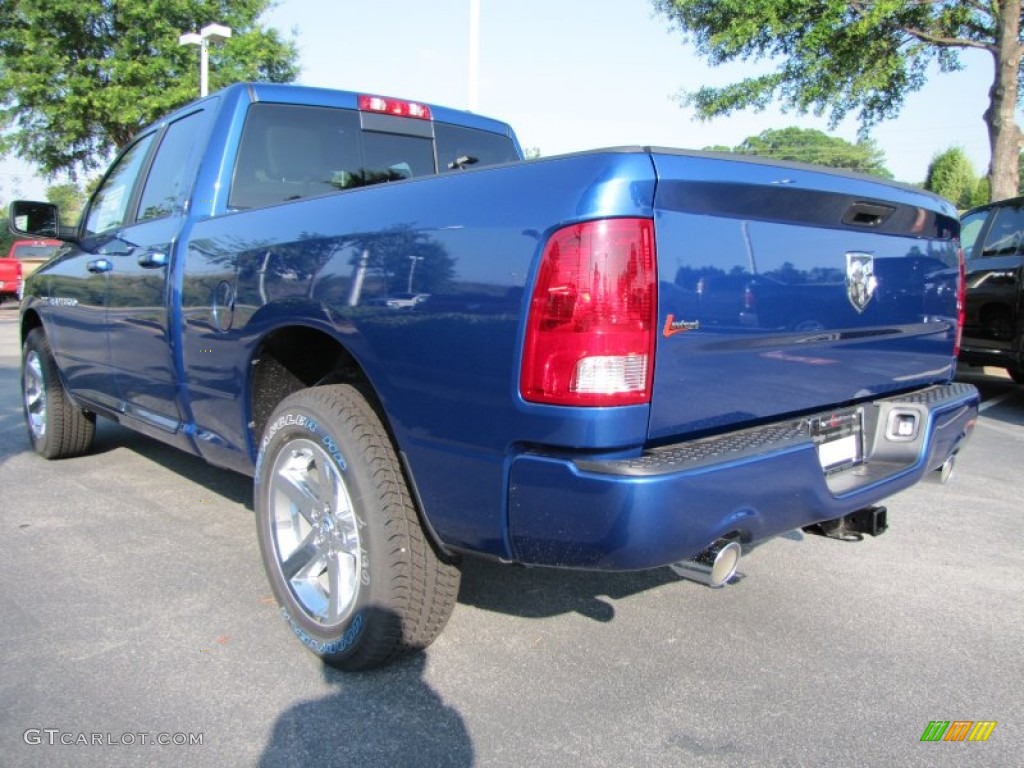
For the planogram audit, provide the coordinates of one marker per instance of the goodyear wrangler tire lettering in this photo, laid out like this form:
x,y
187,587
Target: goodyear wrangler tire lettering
x,y
326,648
356,578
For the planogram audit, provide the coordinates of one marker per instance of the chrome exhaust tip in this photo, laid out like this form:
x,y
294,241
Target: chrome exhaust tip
x,y
714,566
943,474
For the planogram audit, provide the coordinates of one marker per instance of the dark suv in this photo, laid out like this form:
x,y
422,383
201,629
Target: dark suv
x,y
993,241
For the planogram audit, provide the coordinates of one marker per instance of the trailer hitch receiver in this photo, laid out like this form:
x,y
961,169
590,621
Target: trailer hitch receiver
x,y
852,527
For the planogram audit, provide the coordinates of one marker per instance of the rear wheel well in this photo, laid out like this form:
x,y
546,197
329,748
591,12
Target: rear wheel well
x,y
295,358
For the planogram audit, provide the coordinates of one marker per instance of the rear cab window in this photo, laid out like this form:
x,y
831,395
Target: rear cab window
x,y
290,152
460,147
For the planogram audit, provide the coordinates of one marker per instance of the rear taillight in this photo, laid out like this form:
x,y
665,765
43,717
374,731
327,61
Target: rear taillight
x,y
591,328
391,106
961,302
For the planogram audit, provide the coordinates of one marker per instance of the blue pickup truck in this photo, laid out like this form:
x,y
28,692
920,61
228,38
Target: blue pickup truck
x,y
423,347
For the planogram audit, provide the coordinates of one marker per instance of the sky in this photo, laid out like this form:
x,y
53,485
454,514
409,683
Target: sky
x,y
570,75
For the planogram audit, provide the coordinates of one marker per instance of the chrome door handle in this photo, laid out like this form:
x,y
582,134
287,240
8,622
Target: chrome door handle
x,y
153,260
99,266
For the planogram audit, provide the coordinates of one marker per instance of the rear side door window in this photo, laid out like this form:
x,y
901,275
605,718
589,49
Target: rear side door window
x,y
168,182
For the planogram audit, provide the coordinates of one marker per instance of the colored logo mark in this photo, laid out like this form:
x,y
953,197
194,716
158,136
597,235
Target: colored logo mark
x,y
673,326
958,730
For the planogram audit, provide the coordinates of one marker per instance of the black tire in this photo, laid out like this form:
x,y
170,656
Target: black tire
x,y
57,428
1017,374
333,511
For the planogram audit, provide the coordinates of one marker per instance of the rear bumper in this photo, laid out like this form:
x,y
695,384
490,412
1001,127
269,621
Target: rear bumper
x,y
670,503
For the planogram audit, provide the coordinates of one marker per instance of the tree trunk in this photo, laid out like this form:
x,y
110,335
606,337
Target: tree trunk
x,y
1004,135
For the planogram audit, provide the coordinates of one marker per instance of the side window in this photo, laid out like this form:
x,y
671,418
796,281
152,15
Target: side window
x,y
109,207
1006,235
167,185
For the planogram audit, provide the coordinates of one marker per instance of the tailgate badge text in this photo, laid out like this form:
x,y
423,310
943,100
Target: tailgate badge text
x,y
673,326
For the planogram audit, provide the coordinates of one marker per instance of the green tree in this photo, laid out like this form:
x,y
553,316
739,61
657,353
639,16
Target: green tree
x,y
6,238
951,175
806,145
6,195
79,77
69,198
863,56
981,192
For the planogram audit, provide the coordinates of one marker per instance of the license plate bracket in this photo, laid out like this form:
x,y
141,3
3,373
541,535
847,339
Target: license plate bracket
x,y
839,440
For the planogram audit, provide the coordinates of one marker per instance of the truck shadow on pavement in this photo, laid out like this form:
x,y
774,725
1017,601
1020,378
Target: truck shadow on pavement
x,y
535,593
14,439
233,486
13,434
384,717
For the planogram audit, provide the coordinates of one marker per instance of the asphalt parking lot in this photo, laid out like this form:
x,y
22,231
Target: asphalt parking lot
x,y
135,610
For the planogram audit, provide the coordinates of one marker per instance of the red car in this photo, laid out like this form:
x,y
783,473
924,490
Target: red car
x,y
22,260
10,280
33,253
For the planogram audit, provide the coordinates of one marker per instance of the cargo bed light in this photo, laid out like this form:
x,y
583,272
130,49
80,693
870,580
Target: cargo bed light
x,y
590,332
394,107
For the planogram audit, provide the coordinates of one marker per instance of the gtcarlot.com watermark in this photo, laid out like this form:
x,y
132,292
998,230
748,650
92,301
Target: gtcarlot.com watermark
x,y
58,737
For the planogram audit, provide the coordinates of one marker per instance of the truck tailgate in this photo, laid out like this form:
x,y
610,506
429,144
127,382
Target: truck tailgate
x,y
786,289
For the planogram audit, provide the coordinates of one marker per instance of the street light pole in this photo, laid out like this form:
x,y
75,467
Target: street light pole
x,y
203,38
474,55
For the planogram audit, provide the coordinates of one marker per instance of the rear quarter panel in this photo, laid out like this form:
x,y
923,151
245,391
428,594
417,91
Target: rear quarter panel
x,y
446,370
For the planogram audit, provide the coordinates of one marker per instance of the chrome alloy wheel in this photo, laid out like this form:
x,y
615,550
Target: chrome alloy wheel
x,y
34,388
315,531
